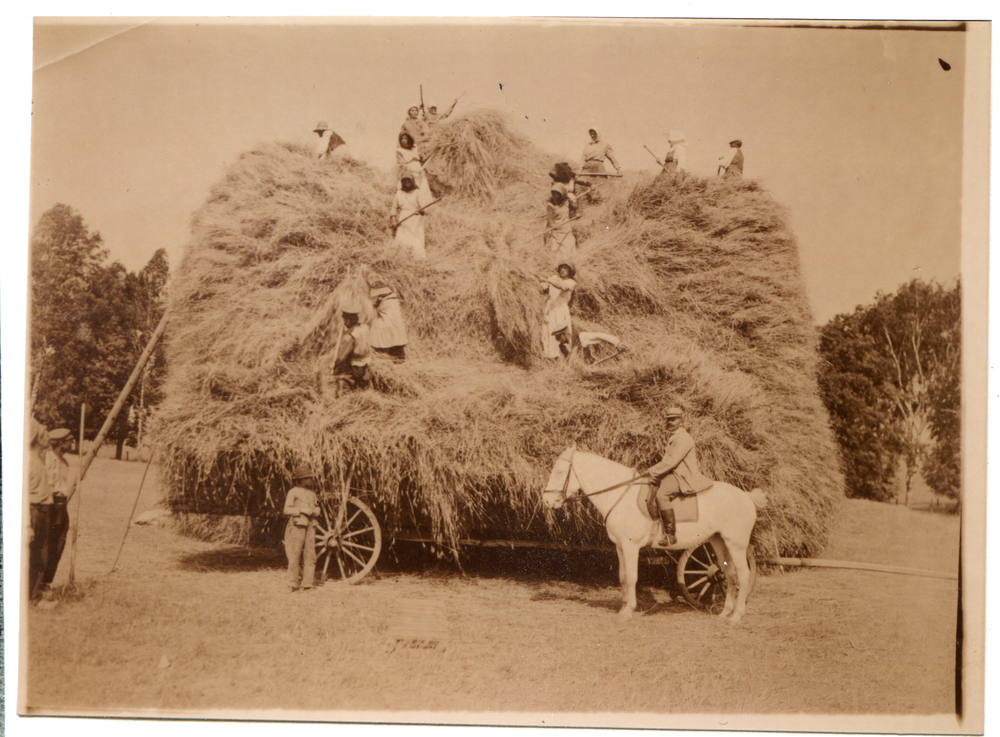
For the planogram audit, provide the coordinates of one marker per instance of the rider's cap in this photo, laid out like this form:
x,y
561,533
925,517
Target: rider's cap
x,y
675,412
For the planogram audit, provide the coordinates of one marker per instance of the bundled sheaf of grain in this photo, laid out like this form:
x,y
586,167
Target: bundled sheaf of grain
x,y
700,280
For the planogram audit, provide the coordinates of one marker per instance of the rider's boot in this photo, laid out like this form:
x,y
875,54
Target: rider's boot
x,y
669,528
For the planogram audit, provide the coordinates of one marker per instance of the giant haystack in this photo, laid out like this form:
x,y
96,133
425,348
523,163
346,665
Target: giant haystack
x,y
700,279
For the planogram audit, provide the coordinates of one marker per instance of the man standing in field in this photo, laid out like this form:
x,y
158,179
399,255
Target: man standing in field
x,y
594,154
63,487
678,473
302,509
39,508
733,168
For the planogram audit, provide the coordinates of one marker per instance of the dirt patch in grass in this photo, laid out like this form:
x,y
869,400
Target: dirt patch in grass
x,y
186,626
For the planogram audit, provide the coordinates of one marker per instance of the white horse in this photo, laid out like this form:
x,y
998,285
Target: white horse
x,y
614,489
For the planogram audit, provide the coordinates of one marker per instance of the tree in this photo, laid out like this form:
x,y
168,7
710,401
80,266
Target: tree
x,y
86,320
942,467
885,378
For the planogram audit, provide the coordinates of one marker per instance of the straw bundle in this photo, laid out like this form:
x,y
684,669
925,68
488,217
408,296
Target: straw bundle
x,y
699,279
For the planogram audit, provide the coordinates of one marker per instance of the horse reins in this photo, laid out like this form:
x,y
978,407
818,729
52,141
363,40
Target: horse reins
x,y
569,470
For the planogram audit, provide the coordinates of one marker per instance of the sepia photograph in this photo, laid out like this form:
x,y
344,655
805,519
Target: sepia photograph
x,y
527,372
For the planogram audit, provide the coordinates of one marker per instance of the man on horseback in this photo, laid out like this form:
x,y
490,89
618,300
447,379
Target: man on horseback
x,y
678,473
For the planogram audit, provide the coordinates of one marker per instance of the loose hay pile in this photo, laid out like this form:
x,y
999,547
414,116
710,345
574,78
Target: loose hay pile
x,y
698,278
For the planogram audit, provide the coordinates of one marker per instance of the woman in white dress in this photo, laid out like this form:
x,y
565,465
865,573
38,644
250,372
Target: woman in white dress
x,y
388,333
410,162
558,328
409,230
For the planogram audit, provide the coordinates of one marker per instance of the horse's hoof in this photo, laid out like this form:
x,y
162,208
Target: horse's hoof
x,y
624,616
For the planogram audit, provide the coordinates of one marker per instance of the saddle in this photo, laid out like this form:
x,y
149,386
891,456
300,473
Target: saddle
x,y
685,505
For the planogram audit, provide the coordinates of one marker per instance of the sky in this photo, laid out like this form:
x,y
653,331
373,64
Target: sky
x,y
858,133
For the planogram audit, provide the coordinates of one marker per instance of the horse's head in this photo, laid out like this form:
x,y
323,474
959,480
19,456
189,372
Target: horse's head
x,y
563,482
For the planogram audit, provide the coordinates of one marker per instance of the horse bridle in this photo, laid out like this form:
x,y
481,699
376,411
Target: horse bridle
x,y
569,470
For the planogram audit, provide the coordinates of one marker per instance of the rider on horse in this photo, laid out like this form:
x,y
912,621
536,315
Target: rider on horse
x,y
678,473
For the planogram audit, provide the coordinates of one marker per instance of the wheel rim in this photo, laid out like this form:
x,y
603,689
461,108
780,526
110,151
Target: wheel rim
x,y
701,575
348,545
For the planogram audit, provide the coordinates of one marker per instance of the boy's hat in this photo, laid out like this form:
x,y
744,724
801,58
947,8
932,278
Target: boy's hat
x,y
60,433
302,471
675,412
321,126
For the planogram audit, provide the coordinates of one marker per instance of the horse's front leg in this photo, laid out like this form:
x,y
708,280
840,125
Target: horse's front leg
x,y
628,567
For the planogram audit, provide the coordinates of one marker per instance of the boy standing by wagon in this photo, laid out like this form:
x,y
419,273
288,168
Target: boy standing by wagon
x,y
302,509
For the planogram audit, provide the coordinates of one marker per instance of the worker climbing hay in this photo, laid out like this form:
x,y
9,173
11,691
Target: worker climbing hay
x,y
559,235
678,473
347,365
595,153
302,510
407,217
388,332
557,329
415,126
329,146
433,117
410,162
675,160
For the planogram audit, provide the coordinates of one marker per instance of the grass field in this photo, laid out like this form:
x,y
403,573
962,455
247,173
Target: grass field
x,y
184,627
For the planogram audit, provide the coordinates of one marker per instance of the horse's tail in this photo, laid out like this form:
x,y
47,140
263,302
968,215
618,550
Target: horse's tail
x,y
759,498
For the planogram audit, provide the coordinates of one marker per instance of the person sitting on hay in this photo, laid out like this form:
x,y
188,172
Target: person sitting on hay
x,y
302,510
558,328
330,146
559,235
347,365
388,334
678,473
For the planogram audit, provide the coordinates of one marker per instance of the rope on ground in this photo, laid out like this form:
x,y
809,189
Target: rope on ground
x,y
823,563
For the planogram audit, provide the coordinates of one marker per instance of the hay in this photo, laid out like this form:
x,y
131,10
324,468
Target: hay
x,y
699,278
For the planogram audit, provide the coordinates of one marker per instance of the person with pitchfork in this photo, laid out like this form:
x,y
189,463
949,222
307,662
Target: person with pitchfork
x,y
302,510
559,216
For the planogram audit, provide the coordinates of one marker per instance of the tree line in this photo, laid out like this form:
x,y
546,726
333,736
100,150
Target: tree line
x,y
90,321
891,380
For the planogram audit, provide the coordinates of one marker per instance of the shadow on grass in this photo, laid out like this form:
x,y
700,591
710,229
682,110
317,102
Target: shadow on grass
x,y
233,559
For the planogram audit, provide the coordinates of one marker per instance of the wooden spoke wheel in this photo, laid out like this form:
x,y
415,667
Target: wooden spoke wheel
x,y
701,574
348,541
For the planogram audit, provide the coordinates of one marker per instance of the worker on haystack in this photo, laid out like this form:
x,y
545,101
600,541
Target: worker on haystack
x,y
576,189
407,218
39,508
559,214
329,146
63,487
731,164
594,154
409,161
675,160
558,324
347,365
415,126
302,510
388,333
678,473
433,117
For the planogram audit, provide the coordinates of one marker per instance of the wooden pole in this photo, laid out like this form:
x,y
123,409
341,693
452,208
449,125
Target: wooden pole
x,y
99,440
135,505
79,499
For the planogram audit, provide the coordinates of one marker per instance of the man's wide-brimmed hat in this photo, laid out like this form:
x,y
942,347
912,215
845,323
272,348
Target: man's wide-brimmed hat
x,y
737,140
60,433
674,136
302,471
675,412
321,126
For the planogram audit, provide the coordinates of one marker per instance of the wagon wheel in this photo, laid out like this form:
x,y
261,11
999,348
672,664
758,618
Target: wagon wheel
x,y
702,577
348,541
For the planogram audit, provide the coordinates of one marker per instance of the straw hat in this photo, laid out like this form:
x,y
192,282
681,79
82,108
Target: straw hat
x,y
60,433
675,136
737,140
321,126
675,412
351,307
302,471
568,265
